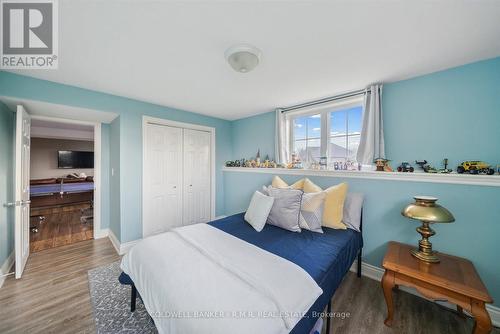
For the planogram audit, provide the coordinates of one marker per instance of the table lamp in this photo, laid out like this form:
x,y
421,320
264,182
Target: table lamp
x,y
428,212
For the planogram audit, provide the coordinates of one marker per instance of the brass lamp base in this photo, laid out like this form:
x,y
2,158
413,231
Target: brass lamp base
x,y
424,251
431,258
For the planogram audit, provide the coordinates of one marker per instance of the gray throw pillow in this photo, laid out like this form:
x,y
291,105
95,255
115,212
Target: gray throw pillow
x,y
285,212
352,210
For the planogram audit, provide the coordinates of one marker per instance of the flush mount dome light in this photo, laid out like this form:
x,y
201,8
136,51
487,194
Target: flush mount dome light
x,y
243,58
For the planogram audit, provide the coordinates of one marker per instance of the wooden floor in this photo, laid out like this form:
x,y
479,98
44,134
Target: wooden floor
x,y
53,297
62,226
363,299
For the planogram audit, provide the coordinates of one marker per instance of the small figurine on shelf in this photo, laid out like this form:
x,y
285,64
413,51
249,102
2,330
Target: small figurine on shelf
x,y
426,167
257,158
322,163
382,165
445,170
352,165
405,167
296,163
421,163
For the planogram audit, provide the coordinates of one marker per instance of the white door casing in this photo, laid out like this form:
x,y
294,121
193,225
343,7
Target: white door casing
x,y
197,178
163,179
22,189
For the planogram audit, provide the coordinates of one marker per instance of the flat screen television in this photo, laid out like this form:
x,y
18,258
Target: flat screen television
x,y
75,159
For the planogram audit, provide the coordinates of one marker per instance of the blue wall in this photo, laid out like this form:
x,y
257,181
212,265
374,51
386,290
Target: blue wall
x,y
130,112
253,133
453,113
6,182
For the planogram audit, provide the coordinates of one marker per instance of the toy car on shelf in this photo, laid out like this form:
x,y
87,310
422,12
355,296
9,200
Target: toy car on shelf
x,y
405,167
475,167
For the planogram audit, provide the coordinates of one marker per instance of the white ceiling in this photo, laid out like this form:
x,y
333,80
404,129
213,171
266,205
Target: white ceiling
x,y
172,52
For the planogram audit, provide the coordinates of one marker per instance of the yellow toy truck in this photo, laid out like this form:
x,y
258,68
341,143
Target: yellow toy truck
x,y
475,167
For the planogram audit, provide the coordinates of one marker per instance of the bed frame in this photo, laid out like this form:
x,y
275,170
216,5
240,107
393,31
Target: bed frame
x,y
125,279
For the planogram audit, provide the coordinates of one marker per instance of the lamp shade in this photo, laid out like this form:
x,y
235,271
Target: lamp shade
x,y
243,58
425,209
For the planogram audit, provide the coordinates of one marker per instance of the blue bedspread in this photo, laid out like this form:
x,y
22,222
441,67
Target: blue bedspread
x,y
326,257
44,189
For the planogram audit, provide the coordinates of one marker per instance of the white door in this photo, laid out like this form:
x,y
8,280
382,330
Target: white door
x,y
162,203
197,176
22,189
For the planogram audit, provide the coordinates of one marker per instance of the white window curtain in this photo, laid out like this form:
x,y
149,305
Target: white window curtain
x,y
282,139
371,144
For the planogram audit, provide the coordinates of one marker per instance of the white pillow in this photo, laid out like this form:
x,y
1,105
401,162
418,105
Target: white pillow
x,y
352,211
258,210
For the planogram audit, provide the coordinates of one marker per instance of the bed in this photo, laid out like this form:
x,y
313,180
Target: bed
x,y
325,257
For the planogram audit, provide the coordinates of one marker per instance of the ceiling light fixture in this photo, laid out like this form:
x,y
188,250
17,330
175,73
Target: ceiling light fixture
x,y
243,58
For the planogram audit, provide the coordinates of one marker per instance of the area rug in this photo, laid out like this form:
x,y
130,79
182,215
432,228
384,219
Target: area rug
x,y
111,304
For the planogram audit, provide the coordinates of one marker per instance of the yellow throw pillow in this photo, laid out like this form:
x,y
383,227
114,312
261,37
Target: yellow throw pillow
x,y
279,183
310,187
334,206
299,185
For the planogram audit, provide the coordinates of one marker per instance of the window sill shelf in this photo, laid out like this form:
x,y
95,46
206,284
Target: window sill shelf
x,y
452,178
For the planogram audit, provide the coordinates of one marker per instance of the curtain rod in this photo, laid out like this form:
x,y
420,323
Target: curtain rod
x,y
326,99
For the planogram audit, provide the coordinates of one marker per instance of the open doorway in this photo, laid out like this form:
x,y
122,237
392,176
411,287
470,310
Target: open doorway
x,y
61,183
19,205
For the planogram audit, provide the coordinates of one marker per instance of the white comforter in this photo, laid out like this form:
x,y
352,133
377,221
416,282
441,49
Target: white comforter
x,y
198,279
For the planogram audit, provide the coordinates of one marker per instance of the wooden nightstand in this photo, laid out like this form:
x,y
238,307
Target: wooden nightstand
x,y
454,279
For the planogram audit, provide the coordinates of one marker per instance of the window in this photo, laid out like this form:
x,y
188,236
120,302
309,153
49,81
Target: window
x,y
331,131
307,137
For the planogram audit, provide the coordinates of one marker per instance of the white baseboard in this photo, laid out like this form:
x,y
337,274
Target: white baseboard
x,y
125,247
114,240
376,274
219,217
6,267
121,248
102,233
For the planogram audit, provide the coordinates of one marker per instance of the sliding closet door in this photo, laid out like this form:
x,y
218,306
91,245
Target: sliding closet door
x,y
197,176
162,204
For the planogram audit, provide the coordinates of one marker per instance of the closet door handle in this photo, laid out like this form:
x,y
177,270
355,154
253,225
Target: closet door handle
x,y
175,187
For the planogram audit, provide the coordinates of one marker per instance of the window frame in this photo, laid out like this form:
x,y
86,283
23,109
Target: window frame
x,y
324,110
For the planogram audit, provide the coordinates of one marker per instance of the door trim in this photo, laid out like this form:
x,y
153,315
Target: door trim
x,y
166,122
98,233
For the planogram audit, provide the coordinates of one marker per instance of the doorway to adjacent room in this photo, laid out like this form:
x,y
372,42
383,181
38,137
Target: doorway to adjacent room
x,y
61,183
